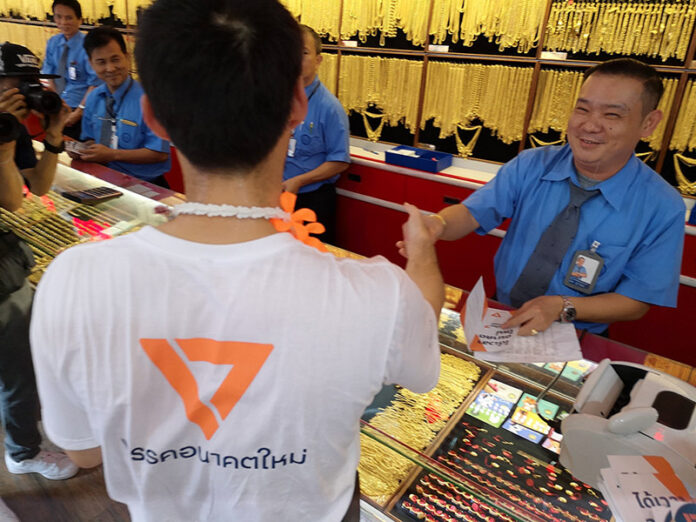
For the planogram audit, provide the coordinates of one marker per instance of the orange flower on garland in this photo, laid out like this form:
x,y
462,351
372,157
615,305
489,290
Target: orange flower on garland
x,y
296,224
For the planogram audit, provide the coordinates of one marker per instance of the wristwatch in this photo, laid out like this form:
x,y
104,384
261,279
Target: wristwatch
x,y
52,148
569,313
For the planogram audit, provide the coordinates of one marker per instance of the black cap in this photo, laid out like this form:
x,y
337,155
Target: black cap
x,y
19,62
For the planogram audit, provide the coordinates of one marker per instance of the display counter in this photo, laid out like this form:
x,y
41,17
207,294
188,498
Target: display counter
x,y
472,449
372,192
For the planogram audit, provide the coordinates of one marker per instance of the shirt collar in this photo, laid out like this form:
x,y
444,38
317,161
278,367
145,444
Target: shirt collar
x,y
308,90
613,189
73,42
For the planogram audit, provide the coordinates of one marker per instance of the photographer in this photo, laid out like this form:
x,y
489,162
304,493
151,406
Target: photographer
x,y
18,398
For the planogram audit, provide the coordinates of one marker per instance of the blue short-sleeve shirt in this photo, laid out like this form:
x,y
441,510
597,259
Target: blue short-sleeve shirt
x,y
131,129
638,219
323,136
79,75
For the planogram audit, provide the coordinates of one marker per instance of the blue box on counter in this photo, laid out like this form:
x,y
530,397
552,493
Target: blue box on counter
x,y
420,159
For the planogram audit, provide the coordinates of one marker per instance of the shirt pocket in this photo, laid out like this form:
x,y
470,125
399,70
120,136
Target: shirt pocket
x,y
615,256
310,145
128,136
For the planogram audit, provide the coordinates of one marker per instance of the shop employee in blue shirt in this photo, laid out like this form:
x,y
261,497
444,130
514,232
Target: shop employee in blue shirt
x,y
66,57
318,150
113,122
636,218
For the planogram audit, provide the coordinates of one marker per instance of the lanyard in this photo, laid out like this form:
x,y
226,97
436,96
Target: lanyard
x,y
313,91
116,110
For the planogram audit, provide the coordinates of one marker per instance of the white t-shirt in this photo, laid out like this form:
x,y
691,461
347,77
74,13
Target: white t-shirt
x,y
132,339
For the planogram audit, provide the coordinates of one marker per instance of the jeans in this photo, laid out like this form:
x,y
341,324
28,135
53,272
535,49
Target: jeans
x,y
19,402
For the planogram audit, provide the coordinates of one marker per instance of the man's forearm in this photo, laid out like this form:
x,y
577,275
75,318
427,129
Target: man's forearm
x,y
459,222
424,270
608,308
10,181
139,156
324,171
41,176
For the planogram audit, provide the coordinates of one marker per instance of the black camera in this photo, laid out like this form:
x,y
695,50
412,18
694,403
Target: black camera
x,y
40,99
9,127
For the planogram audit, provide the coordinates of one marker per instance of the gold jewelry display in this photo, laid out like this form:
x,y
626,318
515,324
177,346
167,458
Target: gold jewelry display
x,y
328,71
369,17
685,186
414,420
684,134
321,15
389,85
508,24
457,93
656,29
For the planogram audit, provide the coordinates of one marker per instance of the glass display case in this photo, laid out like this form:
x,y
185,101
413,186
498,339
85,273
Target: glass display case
x,y
483,445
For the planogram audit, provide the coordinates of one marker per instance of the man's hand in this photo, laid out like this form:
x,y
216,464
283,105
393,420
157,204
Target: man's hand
x,y
56,123
432,226
98,153
74,117
292,185
14,103
536,315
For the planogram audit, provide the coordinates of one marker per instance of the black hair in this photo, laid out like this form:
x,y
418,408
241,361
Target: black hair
x,y
101,36
220,76
631,68
311,32
72,4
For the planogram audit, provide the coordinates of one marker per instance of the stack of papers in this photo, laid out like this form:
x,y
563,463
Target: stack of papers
x,y
488,341
645,488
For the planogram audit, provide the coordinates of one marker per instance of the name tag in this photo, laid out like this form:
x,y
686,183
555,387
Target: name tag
x,y
292,144
584,270
113,143
72,72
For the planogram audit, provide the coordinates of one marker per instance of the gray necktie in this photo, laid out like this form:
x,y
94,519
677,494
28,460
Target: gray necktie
x,y
551,249
62,70
106,123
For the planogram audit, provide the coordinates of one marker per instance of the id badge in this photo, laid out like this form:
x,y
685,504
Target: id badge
x,y
113,143
291,147
72,72
584,270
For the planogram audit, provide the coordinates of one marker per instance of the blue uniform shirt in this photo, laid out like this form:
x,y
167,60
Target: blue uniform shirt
x,y
79,75
130,128
638,218
323,136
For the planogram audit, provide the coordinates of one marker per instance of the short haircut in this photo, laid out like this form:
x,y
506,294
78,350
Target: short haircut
x,y
73,4
311,32
220,76
630,68
101,36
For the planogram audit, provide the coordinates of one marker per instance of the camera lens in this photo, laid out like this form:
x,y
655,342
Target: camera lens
x,y
9,127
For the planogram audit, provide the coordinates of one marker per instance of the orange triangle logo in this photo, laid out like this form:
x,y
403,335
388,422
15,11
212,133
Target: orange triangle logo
x,y
246,358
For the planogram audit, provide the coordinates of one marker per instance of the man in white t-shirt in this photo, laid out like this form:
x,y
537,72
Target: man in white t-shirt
x,y
220,368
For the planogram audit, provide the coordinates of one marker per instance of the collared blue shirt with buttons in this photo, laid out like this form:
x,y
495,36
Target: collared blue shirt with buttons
x,y
131,129
638,220
323,136
79,75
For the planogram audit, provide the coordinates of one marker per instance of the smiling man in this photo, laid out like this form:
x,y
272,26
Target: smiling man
x,y
66,58
113,126
592,198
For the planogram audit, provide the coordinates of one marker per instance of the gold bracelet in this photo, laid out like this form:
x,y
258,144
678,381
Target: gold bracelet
x,y
442,220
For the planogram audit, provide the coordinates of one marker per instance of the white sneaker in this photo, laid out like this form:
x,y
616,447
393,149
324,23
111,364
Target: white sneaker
x,y
6,514
51,464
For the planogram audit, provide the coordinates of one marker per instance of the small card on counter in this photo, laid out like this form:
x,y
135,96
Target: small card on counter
x,y
489,342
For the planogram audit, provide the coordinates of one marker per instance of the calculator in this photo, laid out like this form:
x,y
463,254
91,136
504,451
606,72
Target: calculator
x,y
92,196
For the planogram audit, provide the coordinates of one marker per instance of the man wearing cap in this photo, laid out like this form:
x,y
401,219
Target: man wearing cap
x,y
113,122
18,165
66,57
